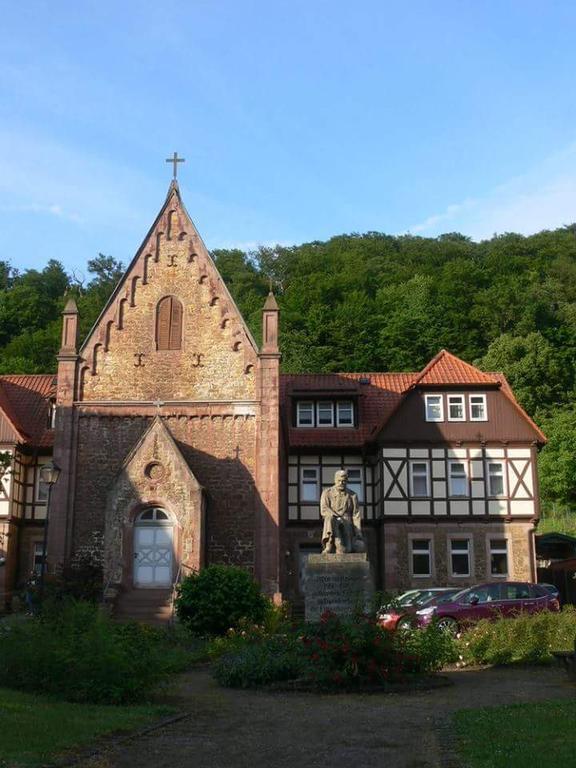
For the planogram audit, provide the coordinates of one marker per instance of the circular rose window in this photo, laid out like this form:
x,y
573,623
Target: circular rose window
x,y
154,471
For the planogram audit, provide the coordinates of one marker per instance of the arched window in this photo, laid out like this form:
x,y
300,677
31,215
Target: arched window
x,y
169,323
153,515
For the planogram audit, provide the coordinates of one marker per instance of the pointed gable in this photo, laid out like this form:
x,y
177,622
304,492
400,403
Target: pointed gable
x,y
171,329
155,456
445,369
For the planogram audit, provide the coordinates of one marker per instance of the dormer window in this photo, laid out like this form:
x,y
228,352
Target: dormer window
x,y
456,408
434,408
51,413
305,414
478,408
325,413
345,413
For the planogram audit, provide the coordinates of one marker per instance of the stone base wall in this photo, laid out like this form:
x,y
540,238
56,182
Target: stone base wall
x,y
299,540
396,548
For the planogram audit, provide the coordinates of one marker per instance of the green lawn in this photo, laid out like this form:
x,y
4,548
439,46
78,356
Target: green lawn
x,y
34,729
541,735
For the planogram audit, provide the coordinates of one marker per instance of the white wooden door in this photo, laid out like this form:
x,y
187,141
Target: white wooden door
x,y
153,552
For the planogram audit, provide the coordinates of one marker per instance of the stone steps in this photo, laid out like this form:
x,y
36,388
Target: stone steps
x,y
149,606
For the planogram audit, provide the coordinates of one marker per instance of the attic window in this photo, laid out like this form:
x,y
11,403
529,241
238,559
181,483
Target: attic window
x,y
51,413
169,323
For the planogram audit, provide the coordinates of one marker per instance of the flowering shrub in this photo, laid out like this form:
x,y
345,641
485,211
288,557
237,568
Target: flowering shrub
x,y
529,638
360,652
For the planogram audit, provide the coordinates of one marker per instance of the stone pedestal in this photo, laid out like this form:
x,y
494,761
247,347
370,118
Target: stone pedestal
x,y
341,584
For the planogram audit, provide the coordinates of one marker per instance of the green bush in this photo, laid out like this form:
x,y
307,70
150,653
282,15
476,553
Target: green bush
x,y
331,654
78,653
528,638
217,598
260,663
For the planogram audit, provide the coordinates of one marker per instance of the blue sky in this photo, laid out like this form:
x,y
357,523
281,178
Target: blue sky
x,y
299,120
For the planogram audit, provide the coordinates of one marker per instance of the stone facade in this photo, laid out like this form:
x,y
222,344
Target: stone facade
x,y
210,403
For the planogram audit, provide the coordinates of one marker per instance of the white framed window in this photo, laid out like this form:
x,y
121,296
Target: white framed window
x,y
345,413
309,483
420,478
37,557
478,411
325,413
41,495
456,408
460,556
421,557
498,556
458,478
305,413
434,407
355,482
496,484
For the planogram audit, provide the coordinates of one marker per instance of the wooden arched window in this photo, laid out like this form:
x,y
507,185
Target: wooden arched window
x,y
169,323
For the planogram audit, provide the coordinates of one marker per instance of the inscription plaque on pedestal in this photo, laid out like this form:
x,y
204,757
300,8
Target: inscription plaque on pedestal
x,y
341,584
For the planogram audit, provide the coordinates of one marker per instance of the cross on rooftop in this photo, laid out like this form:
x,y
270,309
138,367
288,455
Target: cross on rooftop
x,y
175,160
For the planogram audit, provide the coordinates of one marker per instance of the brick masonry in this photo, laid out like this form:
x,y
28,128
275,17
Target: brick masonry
x,y
217,399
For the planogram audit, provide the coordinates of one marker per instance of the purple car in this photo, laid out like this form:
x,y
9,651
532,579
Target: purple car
x,y
488,601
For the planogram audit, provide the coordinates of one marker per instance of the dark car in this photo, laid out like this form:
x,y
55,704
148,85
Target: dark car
x,y
400,613
487,601
552,588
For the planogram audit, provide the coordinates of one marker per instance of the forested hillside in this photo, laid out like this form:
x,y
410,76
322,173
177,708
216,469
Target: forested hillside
x,y
373,302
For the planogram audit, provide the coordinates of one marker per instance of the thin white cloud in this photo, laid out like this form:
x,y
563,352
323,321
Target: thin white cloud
x,y
543,198
51,210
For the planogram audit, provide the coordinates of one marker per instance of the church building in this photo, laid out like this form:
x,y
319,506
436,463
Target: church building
x,y
181,444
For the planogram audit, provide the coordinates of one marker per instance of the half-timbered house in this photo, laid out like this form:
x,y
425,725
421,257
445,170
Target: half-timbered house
x,y
181,444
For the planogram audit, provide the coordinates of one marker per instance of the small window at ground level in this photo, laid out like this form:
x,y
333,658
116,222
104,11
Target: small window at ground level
x,y
37,557
420,478
345,413
478,408
456,408
495,478
434,408
421,560
325,414
355,483
309,483
305,414
460,557
458,479
498,557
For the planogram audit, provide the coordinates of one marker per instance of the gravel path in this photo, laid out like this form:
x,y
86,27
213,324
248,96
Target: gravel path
x,y
246,729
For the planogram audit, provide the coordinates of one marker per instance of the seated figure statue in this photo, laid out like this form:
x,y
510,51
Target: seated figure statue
x,y
342,524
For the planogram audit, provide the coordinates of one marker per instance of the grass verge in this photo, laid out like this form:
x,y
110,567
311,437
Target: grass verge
x,y
541,734
35,729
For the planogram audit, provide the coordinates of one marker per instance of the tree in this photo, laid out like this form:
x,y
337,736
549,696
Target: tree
x,y
557,462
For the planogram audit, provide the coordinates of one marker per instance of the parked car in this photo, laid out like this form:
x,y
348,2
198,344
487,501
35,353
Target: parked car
x,y
487,601
400,613
553,589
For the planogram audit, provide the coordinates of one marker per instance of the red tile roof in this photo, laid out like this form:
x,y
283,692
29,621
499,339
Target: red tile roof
x,y
24,399
445,369
379,398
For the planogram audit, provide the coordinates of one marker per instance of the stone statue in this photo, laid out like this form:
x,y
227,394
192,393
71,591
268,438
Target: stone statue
x,y
342,525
